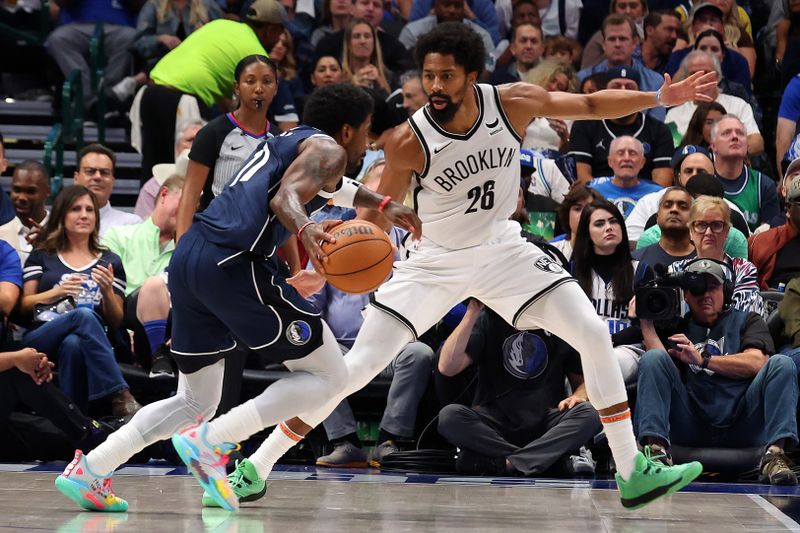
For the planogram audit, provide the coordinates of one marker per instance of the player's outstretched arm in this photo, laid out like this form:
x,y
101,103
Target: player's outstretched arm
x,y
524,102
403,158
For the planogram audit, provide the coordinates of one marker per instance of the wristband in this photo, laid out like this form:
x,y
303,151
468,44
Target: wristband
x,y
706,360
303,227
384,203
658,96
345,195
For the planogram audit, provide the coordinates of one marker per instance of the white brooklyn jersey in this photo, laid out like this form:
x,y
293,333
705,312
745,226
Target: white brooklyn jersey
x,y
468,187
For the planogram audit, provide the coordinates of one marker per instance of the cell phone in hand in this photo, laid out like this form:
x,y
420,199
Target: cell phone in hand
x,y
669,344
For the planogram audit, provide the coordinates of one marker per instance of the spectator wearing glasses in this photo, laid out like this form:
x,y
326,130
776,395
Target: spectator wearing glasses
x,y
703,184
95,171
709,225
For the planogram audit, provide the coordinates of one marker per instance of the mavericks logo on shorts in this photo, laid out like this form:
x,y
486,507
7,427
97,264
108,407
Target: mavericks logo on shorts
x,y
298,332
545,264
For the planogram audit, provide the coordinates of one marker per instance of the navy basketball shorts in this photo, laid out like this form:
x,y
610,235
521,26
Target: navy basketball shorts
x,y
246,299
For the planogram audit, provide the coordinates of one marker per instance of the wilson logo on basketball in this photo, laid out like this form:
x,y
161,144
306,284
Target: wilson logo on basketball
x,y
354,230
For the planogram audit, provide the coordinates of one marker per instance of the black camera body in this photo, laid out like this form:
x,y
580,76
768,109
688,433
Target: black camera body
x,y
660,300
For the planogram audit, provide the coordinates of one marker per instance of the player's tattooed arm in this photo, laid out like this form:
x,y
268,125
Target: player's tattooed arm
x,y
319,165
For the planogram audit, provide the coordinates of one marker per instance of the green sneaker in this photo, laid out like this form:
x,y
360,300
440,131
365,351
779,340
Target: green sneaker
x,y
244,481
652,479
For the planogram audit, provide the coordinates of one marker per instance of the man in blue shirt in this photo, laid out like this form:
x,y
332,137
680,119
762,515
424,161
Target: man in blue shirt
x,y
624,188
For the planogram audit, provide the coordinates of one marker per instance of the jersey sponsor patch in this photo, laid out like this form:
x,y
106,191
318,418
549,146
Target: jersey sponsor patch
x,y
298,332
545,264
525,355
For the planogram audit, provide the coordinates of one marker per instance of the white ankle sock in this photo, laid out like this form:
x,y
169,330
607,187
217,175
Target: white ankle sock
x,y
278,443
117,448
619,432
235,425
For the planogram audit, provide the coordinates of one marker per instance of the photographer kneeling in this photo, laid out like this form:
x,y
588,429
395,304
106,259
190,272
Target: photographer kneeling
x,y
716,385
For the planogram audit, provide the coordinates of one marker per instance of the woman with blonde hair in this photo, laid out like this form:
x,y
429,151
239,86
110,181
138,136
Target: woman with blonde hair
x,y
709,225
362,59
282,54
549,135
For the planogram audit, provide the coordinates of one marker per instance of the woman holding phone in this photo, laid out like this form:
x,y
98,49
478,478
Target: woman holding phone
x,y
72,291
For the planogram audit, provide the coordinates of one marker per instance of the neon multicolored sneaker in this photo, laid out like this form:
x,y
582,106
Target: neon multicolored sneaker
x,y
206,462
244,481
87,489
652,479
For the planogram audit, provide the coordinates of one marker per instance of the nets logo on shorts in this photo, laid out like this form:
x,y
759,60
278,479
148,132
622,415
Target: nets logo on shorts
x,y
298,332
545,264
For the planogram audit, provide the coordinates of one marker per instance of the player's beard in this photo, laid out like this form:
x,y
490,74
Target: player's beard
x,y
446,114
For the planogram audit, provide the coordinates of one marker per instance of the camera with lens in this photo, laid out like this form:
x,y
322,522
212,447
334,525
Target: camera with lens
x,y
660,299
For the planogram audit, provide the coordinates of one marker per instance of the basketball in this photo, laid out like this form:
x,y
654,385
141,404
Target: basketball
x,y
360,259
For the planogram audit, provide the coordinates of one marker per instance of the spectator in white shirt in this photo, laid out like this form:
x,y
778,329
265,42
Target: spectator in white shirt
x,y
95,171
30,189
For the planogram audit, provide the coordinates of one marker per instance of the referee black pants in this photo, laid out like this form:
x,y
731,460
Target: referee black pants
x,y
158,113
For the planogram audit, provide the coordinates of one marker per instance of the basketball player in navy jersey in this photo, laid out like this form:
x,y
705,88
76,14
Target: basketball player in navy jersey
x,y
460,156
225,278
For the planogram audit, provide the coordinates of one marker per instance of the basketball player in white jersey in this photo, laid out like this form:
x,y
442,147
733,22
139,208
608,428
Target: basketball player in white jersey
x,y
460,154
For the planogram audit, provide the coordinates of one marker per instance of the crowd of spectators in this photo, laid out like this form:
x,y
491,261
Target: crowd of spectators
x,y
710,188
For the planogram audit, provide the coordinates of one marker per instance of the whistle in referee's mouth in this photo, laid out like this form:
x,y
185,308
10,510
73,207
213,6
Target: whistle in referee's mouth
x,y
259,103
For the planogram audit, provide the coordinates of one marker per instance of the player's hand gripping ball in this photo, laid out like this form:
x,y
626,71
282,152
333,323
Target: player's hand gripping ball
x,y
360,259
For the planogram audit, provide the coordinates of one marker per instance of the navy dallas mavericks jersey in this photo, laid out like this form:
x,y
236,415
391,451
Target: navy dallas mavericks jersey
x,y
240,217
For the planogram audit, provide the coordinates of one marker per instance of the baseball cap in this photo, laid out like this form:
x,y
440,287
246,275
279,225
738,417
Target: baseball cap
x,y
628,73
162,171
793,188
267,11
701,7
689,149
707,266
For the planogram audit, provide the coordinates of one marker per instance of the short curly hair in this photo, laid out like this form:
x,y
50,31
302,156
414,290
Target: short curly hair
x,y
331,107
455,39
